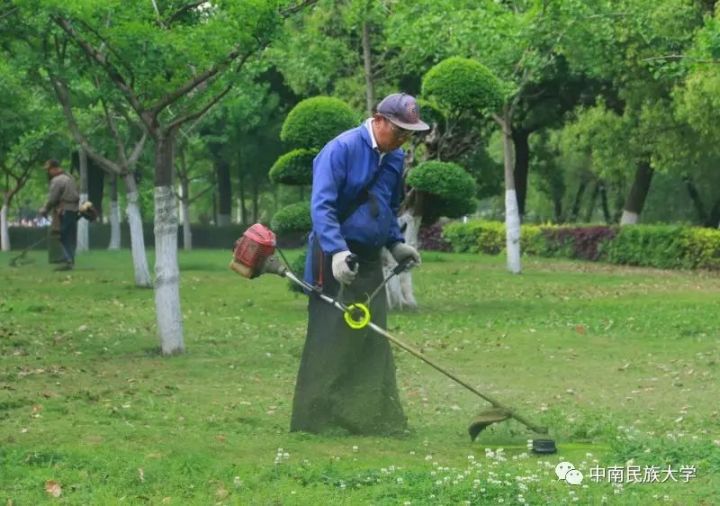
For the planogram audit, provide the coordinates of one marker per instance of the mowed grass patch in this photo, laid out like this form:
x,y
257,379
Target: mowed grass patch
x,y
621,364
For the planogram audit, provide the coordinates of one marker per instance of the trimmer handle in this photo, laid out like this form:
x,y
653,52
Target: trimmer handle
x,y
403,266
352,261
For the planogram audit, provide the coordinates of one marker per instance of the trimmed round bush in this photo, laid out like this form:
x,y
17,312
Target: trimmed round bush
x,y
293,168
315,121
449,189
458,84
292,218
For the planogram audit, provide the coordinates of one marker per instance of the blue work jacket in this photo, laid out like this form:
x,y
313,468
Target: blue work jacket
x,y
341,171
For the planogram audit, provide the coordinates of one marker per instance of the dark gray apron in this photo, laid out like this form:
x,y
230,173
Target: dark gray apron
x,y
347,377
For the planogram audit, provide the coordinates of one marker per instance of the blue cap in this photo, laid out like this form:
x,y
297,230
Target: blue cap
x,y
402,110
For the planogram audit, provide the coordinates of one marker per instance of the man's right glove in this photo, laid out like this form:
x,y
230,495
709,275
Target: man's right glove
x,y
401,251
341,270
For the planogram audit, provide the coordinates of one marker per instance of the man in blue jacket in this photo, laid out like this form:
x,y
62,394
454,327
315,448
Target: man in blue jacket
x,y
347,377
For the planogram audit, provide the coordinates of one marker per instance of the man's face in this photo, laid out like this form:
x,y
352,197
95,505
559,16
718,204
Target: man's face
x,y
389,136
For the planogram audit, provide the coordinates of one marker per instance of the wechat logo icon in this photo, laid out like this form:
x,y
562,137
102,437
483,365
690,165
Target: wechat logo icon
x,y
566,471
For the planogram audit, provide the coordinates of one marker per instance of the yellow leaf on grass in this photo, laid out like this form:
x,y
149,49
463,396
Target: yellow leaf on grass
x,y
53,488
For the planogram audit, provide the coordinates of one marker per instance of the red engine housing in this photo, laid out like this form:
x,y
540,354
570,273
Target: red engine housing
x,y
252,249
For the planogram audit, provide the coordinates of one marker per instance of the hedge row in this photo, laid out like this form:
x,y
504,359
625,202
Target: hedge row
x,y
203,236
661,246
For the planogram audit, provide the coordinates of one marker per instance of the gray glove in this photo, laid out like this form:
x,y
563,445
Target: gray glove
x,y
400,251
341,270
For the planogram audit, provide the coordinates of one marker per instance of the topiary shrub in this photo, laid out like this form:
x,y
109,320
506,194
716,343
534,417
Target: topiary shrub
x,y
293,168
458,84
292,218
448,190
315,121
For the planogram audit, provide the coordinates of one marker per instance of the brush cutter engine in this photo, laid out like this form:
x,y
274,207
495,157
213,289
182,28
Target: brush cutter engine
x,y
252,251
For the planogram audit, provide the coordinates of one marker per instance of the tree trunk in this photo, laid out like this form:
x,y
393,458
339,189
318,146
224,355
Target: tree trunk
x,y
242,211
593,200
638,193
522,162
114,215
167,273
512,214
255,200
605,206
83,235
367,70
400,289
137,239
224,188
4,232
185,208
696,200
575,209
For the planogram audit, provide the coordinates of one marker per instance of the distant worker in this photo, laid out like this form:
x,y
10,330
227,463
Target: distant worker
x,y
63,200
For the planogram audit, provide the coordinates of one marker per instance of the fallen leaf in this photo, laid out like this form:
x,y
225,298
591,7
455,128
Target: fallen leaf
x,y
141,474
221,493
53,488
580,329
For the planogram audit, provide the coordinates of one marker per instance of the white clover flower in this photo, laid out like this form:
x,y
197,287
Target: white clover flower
x,y
428,457
399,481
355,449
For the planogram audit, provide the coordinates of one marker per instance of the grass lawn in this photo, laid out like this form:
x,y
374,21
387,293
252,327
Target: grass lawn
x,y
622,364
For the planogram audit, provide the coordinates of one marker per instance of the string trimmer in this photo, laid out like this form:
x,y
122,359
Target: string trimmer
x,y
21,258
254,255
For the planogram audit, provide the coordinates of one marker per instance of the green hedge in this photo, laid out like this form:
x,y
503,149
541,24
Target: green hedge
x,y
203,236
661,246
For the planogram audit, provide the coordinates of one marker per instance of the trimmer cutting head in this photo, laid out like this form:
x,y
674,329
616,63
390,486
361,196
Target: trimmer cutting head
x,y
496,415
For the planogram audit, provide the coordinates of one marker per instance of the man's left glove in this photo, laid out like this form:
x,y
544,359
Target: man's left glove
x,y
400,251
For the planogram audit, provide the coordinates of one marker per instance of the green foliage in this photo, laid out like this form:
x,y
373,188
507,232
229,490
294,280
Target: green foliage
x,y
448,187
315,121
444,179
667,247
661,246
293,168
292,218
457,84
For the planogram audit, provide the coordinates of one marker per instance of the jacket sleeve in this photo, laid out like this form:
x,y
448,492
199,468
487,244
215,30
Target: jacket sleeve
x,y
394,234
329,174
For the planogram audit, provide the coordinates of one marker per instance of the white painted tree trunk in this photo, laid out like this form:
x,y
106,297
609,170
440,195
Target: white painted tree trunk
x,y
400,288
187,231
167,273
512,232
137,240
4,232
114,216
83,233
512,213
629,218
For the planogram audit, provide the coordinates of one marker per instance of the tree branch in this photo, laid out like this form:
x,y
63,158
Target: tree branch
x,y
64,99
193,83
297,8
110,70
182,10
